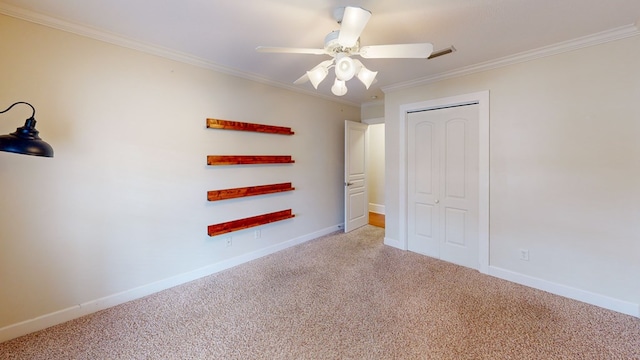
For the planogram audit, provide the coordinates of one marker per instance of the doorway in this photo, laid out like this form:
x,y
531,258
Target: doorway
x,y
375,172
364,173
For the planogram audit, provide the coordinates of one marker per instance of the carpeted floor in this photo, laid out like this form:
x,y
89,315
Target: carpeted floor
x,y
343,296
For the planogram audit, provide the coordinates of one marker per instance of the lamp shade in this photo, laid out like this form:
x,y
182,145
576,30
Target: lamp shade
x,y
366,76
345,68
339,88
25,139
317,74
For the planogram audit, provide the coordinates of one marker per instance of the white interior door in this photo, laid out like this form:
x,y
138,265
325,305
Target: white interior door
x,y
442,169
356,198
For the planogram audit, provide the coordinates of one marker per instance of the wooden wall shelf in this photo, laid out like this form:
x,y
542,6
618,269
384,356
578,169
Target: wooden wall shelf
x,y
224,194
248,159
243,126
246,223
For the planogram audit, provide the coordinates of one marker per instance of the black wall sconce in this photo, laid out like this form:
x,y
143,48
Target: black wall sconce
x,y
25,140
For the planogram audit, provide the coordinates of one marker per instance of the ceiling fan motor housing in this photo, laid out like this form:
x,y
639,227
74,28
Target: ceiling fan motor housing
x,y
333,47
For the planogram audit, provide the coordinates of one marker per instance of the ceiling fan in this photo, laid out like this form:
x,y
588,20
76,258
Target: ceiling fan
x,y
342,44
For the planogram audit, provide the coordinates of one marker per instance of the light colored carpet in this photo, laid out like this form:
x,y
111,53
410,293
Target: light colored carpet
x,y
343,296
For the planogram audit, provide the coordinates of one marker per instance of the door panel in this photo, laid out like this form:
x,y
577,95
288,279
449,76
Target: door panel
x,y
454,164
454,226
423,158
424,228
443,177
357,209
424,174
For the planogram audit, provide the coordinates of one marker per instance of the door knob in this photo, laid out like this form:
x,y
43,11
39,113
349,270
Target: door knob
x,y
437,201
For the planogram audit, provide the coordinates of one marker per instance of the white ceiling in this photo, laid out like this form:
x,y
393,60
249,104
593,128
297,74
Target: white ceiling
x,y
226,32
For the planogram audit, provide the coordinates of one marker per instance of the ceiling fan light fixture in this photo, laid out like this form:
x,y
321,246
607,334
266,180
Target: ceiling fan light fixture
x,y
345,67
366,76
339,87
344,43
317,74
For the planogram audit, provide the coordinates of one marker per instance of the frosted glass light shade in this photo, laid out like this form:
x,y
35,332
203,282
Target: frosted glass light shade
x,y
339,88
345,68
317,74
366,76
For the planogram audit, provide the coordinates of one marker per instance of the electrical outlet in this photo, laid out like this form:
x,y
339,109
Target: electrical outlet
x,y
229,241
256,234
524,254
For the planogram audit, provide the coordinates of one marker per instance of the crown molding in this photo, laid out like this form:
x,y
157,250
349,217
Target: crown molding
x,y
559,48
163,52
86,31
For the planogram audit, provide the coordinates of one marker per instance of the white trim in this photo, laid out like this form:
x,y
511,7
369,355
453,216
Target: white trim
x,y
602,301
376,208
393,243
41,322
373,121
559,48
163,52
101,35
482,99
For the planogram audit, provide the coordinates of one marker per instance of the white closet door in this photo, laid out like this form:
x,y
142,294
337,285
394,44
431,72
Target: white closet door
x,y
443,184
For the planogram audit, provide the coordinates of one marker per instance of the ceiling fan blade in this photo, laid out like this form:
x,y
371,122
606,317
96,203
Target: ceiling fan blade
x,y
285,50
415,51
302,79
353,22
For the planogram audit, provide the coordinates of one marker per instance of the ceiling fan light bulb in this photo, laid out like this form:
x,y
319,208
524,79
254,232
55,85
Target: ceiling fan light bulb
x,y
316,75
339,88
345,68
367,76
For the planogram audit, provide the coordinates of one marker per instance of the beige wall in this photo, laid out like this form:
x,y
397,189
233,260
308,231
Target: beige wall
x,y
123,203
372,110
564,167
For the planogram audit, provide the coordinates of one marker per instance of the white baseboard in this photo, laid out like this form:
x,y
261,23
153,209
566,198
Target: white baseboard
x,y
376,208
602,301
394,243
42,322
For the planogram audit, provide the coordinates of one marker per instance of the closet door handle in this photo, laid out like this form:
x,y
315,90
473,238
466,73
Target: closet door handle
x,y
437,201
